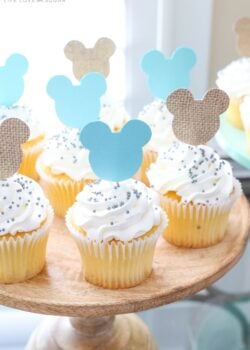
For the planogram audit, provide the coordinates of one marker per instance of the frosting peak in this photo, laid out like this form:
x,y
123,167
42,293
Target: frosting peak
x,y
23,206
195,173
64,154
157,116
122,210
234,78
115,116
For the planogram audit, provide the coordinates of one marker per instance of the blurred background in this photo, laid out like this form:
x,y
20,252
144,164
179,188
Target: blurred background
x,y
40,29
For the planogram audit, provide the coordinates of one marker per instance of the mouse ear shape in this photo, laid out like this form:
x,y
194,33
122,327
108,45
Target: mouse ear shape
x,y
178,101
196,121
217,101
15,128
168,74
242,29
94,82
94,134
58,86
105,47
73,48
242,24
136,132
13,133
152,61
11,79
17,63
185,57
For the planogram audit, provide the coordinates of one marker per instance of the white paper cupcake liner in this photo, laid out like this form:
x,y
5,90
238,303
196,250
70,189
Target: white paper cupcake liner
x,y
60,191
30,156
116,264
23,257
197,225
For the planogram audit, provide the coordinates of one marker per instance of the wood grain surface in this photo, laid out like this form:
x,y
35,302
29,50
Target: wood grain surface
x,y
178,273
122,332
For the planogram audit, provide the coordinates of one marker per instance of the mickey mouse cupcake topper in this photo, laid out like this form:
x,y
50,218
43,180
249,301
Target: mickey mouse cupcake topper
x,y
242,29
13,133
168,74
86,60
11,79
77,105
196,121
115,156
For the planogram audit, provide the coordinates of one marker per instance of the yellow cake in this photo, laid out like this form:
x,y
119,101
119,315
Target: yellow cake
x,y
234,80
245,114
116,226
64,169
24,226
197,191
31,151
33,147
233,112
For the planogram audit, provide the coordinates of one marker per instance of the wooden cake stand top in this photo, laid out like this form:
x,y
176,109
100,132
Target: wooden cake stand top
x,y
178,273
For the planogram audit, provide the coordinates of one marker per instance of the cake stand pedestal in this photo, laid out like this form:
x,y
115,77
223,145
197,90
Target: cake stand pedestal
x,y
122,332
87,312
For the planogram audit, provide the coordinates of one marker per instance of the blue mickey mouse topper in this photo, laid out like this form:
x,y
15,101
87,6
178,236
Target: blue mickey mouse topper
x,y
77,105
168,74
11,79
115,156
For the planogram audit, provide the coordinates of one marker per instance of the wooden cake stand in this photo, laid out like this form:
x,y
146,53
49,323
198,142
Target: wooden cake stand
x,y
90,323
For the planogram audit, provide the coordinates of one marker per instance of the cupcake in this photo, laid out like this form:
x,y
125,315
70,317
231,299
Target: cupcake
x,y
197,192
157,116
115,116
116,226
33,147
64,169
234,80
245,115
24,223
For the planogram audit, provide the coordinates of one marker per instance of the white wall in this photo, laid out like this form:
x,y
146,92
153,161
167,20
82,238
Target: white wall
x,y
165,25
223,40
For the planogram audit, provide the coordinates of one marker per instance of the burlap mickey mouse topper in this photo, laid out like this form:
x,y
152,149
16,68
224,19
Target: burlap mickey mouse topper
x,y
13,133
87,60
242,29
196,121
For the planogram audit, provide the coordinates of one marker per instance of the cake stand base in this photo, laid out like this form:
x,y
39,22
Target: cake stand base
x,y
88,333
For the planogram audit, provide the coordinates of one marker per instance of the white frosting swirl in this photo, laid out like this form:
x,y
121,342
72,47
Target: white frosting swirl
x,y
24,114
115,116
245,112
122,211
195,173
64,154
157,116
23,206
234,79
